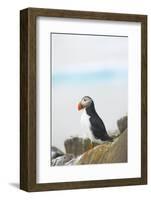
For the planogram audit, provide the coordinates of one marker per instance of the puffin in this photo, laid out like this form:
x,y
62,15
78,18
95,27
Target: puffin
x,y
93,124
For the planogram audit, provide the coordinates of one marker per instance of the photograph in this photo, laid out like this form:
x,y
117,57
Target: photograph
x,y
89,99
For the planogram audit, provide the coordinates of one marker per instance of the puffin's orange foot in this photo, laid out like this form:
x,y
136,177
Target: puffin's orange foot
x,y
90,146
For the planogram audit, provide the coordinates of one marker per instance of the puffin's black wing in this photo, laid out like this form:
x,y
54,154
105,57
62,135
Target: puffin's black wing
x,y
98,128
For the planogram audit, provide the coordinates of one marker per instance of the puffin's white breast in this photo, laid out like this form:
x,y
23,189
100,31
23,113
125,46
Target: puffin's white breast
x,y
85,123
86,127
85,119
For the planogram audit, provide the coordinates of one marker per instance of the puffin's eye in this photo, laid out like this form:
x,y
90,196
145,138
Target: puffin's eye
x,y
84,99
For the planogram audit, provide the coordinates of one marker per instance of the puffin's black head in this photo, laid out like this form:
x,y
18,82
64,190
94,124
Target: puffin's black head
x,y
85,102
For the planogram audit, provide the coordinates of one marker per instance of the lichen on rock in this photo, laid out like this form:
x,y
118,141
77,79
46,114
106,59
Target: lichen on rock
x,y
115,152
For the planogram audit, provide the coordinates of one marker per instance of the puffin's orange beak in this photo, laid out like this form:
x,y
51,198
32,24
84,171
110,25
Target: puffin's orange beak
x,y
80,106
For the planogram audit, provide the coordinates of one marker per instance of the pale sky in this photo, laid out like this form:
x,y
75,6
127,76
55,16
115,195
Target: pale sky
x,y
82,65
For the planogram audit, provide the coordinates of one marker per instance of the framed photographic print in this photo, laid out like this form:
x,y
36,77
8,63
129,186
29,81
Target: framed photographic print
x,y
83,99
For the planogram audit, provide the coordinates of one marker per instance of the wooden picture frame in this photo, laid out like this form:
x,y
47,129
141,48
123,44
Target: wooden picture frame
x,y
28,98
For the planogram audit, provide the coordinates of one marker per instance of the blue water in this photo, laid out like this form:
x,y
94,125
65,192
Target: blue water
x,y
90,77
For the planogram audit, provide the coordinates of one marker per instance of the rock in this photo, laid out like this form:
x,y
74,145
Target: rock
x,y
61,160
55,152
122,124
71,162
78,153
77,145
58,157
115,152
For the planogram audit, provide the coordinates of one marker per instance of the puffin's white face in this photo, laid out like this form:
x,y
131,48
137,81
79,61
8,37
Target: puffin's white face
x,y
84,103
